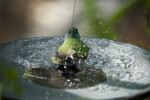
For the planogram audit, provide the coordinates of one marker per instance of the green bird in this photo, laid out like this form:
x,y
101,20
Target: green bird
x,y
72,49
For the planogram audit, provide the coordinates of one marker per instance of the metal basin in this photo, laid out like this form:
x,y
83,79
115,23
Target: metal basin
x,y
113,70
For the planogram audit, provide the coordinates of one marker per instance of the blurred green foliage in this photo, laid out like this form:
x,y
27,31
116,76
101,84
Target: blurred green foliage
x,y
98,26
131,4
125,8
101,27
9,79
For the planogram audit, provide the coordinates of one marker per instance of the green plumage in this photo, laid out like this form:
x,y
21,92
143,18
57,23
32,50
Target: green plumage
x,y
72,45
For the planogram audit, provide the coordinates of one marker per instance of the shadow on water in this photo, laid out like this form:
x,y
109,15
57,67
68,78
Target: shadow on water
x,y
67,77
73,77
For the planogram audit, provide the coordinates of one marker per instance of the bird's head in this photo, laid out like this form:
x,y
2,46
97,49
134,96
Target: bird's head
x,y
73,32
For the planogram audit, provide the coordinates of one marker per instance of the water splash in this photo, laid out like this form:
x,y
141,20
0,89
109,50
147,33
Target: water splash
x,y
126,66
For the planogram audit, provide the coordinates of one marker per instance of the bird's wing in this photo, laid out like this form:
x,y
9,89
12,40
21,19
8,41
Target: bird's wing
x,y
55,60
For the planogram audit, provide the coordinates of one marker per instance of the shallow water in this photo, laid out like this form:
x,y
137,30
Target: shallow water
x,y
55,78
126,67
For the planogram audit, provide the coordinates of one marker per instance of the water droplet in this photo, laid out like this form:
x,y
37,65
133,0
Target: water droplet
x,y
47,95
68,80
65,66
61,95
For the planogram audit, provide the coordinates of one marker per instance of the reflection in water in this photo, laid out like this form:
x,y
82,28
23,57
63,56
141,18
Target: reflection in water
x,y
125,66
67,76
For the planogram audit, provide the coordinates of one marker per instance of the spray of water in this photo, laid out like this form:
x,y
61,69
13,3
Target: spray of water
x,y
73,15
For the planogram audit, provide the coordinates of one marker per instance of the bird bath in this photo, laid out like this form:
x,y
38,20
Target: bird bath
x,y
112,70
